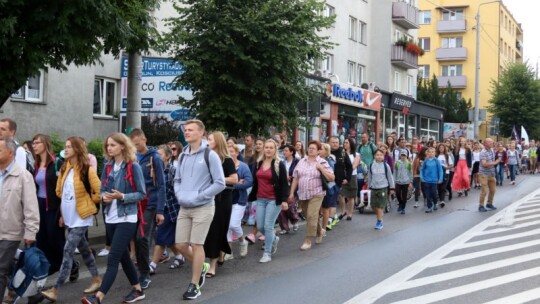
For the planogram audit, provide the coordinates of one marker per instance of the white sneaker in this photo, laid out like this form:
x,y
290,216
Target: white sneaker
x,y
243,248
416,205
295,227
103,252
265,258
77,251
228,257
274,244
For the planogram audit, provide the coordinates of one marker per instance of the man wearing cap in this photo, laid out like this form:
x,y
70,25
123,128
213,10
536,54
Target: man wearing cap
x,y
403,177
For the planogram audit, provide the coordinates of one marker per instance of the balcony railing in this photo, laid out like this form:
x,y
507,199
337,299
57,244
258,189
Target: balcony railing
x,y
405,15
403,58
446,54
457,82
452,26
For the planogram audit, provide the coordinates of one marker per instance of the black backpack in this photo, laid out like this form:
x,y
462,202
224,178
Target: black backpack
x,y
29,160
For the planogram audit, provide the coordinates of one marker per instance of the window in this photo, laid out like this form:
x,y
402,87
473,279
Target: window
x,y
351,72
397,81
325,65
361,72
32,90
459,95
452,15
429,128
104,96
398,34
452,70
424,17
353,28
363,33
425,43
452,42
423,71
329,11
409,85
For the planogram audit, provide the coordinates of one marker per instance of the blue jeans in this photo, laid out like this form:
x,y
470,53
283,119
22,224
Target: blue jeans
x,y
266,214
430,191
512,169
500,173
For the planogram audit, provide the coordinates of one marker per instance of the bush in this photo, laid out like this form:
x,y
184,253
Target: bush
x,y
95,146
57,143
160,130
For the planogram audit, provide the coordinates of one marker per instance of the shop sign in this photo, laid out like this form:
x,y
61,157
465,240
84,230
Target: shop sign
x,y
401,102
365,98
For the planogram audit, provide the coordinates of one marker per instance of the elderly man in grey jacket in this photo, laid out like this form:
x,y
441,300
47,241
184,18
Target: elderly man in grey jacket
x,y
19,219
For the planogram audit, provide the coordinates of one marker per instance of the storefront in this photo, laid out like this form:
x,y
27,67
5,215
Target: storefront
x,y
409,117
351,112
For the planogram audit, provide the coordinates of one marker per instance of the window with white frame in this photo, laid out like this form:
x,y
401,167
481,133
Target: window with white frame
x,y
353,28
425,43
329,10
452,70
423,71
410,84
361,71
351,72
397,81
452,15
325,64
452,42
104,96
424,17
363,32
32,90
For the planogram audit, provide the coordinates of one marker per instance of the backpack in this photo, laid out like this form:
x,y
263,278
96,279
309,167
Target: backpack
x,y
385,171
407,162
206,160
29,160
30,272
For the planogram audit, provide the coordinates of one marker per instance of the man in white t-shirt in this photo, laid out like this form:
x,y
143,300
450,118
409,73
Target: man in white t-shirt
x,y
8,128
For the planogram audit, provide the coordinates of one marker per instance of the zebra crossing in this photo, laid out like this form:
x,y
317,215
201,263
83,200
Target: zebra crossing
x,y
495,262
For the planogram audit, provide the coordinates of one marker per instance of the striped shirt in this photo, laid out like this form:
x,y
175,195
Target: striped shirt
x,y
309,178
488,156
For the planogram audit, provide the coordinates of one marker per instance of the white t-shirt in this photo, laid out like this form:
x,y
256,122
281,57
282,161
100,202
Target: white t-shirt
x,y
352,157
462,153
69,206
442,160
111,217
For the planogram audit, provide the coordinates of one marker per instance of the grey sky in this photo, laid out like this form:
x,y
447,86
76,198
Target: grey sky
x,y
526,13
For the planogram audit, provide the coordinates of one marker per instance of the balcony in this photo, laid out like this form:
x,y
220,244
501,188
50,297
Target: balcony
x,y
457,82
403,58
447,54
451,26
405,15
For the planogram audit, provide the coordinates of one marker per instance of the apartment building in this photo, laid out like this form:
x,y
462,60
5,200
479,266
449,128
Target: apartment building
x,y
448,35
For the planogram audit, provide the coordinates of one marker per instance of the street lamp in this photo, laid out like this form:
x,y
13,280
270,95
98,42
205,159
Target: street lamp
x,y
477,73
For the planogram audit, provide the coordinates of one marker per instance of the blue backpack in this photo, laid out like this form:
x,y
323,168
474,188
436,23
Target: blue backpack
x,y
30,273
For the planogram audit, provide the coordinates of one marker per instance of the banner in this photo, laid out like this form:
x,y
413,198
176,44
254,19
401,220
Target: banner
x,y
456,130
525,136
515,135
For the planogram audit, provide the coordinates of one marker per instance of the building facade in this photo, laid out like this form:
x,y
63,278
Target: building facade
x,y
448,35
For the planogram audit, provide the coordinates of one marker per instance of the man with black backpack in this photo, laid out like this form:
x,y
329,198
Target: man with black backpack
x,y
342,170
20,214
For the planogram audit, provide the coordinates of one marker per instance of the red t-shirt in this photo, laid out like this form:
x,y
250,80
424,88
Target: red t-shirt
x,y
264,181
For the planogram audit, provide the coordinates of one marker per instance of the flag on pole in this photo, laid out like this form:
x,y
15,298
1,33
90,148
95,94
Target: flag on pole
x,y
525,136
515,135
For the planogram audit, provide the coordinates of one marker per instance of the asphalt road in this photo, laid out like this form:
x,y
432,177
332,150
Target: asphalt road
x,y
455,255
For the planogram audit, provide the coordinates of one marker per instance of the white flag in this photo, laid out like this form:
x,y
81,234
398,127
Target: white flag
x,y
525,136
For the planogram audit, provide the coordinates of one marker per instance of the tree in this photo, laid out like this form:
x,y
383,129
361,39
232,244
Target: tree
x,y
246,60
516,99
456,109
428,91
36,35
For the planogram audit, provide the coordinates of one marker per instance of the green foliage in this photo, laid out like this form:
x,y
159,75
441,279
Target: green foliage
x,y
516,100
95,146
456,109
159,130
246,60
52,33
57,143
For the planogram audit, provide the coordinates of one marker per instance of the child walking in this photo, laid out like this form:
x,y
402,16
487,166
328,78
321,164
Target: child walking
x,y
381,183
403,177
431,174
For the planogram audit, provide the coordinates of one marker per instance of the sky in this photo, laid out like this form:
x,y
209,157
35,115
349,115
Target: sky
x,y
526,13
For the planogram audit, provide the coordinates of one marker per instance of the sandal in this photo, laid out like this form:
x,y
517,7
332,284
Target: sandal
x,y
220,263
210,275
177,263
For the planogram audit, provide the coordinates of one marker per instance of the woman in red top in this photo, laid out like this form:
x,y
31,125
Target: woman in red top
x,y
270,191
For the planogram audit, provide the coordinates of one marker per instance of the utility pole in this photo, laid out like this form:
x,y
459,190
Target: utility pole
x,y
133,111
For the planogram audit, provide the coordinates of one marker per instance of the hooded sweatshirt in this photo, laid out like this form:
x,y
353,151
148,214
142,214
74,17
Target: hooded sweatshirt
x,y
195,183
154,179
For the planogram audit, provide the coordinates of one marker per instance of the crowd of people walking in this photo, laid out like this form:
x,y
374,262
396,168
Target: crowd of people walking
x,y
192,201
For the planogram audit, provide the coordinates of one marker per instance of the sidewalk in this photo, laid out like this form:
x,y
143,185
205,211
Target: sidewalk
x,y
96,234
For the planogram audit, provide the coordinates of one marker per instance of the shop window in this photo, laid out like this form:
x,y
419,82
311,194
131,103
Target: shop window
x,y
104,97
32,91
411,126
429,128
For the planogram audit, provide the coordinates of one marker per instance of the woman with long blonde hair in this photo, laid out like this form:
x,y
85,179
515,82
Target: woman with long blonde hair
x,y
270,191
216,240
78,187
122,186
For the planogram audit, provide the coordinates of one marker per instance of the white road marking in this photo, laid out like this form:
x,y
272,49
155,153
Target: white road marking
x,y
500,239
498,230
518,298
